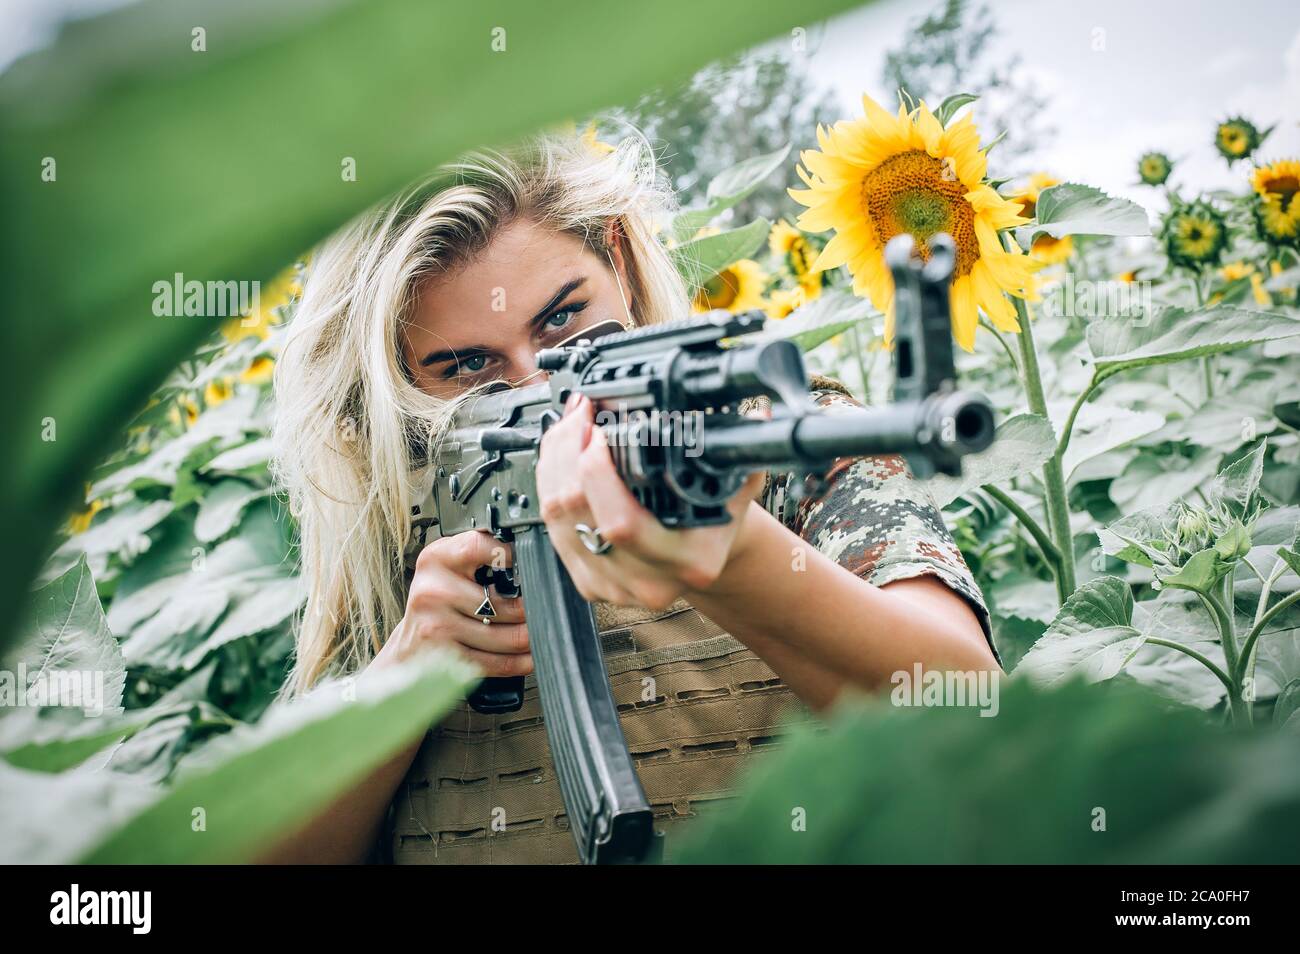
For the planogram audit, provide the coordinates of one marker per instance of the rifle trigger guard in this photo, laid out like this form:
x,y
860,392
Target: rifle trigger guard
x,y
461,490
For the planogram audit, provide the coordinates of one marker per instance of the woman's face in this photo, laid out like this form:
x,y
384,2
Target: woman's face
x,y
531,288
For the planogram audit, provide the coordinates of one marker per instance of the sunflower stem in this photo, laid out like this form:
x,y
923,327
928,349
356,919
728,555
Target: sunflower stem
x,y
1206,367
856,342
1051,556
1015,365
1058,507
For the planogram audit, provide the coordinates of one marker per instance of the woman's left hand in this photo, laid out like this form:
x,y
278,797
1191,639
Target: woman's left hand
x,y
648,564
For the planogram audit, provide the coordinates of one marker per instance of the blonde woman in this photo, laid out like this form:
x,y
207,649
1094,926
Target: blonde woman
x,y
714,636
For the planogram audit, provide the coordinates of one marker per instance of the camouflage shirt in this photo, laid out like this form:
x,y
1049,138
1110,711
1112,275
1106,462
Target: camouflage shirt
x,y
875,519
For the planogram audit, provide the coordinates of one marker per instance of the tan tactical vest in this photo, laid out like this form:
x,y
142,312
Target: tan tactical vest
x,y
695,705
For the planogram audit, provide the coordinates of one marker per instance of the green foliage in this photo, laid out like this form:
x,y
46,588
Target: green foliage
x,y
701,258
186,202
831,314
1177,334
1073,209
1140,526
950,48
1020,445
182,538
728,116
1080,774
240,791
730,187
263,780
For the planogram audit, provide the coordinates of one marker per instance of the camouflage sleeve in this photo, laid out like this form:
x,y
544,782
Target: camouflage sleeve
x,y
877,521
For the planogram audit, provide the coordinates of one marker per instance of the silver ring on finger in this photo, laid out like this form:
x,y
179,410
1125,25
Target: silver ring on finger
x,y
486,611
591,539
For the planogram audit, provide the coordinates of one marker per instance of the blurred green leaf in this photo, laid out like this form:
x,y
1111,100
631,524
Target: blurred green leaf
x,y
222,506
62,746
1030,786
256,783
727,189
141,129
831,313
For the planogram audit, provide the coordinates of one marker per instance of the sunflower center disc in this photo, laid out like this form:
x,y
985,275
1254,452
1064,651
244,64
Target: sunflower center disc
x,y
916,193
721,289
1286,188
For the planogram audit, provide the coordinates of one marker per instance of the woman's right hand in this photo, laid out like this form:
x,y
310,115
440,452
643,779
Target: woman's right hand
x,y
441,603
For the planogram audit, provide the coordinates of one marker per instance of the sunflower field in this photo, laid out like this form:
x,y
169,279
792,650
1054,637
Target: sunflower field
x,y
1135,527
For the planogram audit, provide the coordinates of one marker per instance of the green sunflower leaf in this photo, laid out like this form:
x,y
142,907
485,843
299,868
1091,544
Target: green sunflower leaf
x,y
944,786
257,782
222,506
68,636
700,259
1074,209
1200,574
833,312
953,103
1092,635
1020,446
728,188
61,744
1176,334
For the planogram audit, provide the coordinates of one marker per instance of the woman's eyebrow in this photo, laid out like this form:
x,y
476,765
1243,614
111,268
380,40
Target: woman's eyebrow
x,y
564,291
433,357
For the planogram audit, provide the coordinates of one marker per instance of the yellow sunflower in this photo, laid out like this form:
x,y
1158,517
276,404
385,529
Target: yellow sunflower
x,y
80,522
791,246
1028,196
1237,138
279,292
185,409
594,144
216,392
785,300
1260,293
1275,269
882,175
1236,271
738,287
1052,251
1277,212
1154,168
259,371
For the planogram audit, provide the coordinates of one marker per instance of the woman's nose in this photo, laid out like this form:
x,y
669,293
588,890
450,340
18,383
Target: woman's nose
x,y
522,368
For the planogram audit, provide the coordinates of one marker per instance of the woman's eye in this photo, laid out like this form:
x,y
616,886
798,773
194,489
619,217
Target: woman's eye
x,y
564,317
472,364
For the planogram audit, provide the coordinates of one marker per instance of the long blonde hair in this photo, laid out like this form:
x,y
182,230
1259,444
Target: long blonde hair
x,y
347,414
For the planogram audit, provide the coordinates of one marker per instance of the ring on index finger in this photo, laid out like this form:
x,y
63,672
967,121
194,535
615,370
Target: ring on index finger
x,y
592,539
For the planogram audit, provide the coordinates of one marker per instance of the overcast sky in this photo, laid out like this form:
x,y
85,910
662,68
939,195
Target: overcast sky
x,y
1169,70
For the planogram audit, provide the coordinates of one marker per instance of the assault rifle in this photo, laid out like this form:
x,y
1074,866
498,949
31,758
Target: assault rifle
x,y
653,380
